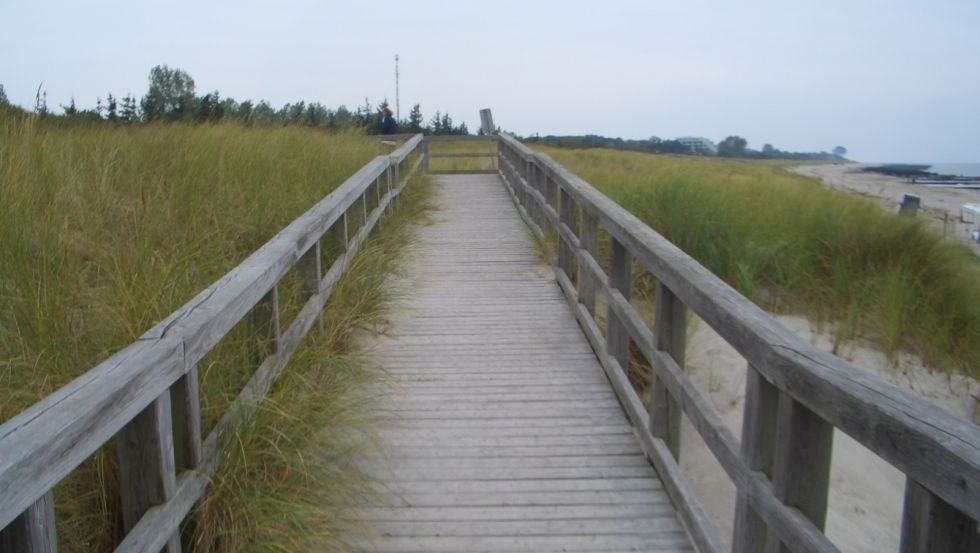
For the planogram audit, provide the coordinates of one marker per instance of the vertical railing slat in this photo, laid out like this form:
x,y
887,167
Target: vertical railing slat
x,y
567,216
930,525
33,531
801,463
758,439
670,336
617,337
588,240
147,469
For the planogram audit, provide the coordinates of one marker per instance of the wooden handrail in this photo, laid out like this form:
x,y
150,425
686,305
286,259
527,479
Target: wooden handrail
x,y
817,391
129,395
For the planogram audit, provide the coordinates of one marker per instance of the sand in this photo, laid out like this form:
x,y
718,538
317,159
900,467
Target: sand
x,y
940,206
866,492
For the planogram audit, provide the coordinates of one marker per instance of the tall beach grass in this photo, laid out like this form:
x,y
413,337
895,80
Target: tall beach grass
x,y
107,229
793,245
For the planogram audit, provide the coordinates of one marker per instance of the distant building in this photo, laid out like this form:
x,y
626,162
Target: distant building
x,y
699,145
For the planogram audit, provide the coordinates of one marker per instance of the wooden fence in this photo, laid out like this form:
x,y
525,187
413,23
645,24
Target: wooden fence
x,y
146,396
795,394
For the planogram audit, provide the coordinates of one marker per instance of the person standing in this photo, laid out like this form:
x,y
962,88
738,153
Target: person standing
x,y
388,123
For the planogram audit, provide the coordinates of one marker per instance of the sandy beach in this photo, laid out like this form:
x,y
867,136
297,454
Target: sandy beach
x,y
940,206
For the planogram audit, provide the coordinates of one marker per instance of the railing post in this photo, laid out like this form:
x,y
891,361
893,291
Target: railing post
x,y
185,403
588,241
33,531
758,438
339,231
670,336
930,525
617,337
310,272
425,155
147,473
265,317
801,463
566,216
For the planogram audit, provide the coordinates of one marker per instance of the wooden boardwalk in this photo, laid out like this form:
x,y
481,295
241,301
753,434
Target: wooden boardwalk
x,y
505,434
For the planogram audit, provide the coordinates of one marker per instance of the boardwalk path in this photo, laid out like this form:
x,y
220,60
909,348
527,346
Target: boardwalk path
x,y
508,435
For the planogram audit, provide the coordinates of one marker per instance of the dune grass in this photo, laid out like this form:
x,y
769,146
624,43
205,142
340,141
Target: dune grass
x,y
793,245
290,481
108,229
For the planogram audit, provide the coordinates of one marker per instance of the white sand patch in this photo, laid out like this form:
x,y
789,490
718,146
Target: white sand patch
x,y
866,492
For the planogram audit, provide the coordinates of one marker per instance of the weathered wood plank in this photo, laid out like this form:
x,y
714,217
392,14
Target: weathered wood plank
x,y
620,279
758,442
147,474
185,403
930,525
669,334
33,531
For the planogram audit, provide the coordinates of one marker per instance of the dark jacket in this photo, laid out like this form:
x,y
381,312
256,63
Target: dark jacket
x,y
388,125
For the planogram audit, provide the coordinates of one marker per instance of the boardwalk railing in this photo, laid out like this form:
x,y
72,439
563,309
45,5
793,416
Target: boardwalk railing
x,y
795,394
146,396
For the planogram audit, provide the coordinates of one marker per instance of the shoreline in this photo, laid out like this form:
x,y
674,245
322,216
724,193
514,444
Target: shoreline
x,y
940,206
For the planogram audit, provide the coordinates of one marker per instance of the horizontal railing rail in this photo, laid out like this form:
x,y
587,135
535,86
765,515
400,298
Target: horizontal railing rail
x,y
491,154
146,396
795,394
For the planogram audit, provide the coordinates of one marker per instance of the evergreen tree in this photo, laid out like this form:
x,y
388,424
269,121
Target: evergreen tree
x,y
415,120
70,110
128,112
111,108
3,97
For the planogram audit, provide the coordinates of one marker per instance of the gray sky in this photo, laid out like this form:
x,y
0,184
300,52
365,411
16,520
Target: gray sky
x,y
890,80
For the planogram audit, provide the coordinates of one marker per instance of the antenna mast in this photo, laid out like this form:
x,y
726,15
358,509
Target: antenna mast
x,y
398,110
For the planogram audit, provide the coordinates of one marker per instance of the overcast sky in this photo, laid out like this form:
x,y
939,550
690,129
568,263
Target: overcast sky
x,y
889,80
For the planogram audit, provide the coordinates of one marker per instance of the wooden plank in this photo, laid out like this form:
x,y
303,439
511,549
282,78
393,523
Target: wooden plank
x,y
930,525
589,243
309,270
265,318
675,541
801,464
669,334
33,531
147,475
185,401
620,267
565,247
517,513
758,441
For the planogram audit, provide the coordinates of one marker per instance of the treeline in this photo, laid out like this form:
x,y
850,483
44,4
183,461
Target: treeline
x,y
652,145
172,96
731,146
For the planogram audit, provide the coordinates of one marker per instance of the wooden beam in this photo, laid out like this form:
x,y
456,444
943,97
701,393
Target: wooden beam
x,y
930,525
33,531
758,441
147,475
801,464
670,331
617,337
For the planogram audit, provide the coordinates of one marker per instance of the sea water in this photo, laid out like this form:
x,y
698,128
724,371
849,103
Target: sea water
x,y
956,169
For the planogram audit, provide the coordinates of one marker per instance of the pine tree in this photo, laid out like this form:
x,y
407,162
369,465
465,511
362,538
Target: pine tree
x,y
111,106
415,120
70,110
